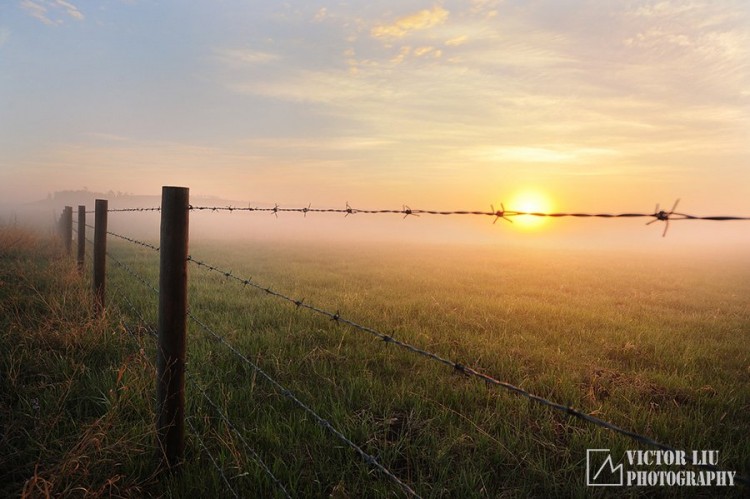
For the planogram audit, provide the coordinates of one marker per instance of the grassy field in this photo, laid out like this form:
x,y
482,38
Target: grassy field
x,y
74,416
653,345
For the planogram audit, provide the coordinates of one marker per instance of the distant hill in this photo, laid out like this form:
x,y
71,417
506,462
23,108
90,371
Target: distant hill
x,y
43,213
118,200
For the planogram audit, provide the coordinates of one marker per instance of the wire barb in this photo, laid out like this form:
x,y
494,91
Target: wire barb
x,y
408,211
499,214
663,216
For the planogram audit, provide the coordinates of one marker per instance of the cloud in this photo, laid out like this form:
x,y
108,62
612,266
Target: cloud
x,y
666,9
423,19
37,11
321,15
529,89
339,143
245,57
427,50
44,10
456,41
323,87
71,9
520,154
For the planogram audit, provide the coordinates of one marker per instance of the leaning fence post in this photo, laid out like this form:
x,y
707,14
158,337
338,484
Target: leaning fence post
x,y
170,359
100,253
67,225
81,237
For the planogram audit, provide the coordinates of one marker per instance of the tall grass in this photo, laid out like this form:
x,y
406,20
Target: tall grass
x,y
74,420
657,347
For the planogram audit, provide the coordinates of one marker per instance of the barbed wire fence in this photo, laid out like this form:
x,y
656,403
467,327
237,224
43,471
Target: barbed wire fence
x,y
657,215
280,389
151,333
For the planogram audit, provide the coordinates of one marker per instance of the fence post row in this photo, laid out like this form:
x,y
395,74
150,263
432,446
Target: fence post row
x,y
170,356
100,253
81,237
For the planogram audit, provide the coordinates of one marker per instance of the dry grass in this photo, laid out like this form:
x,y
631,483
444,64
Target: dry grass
x,y
655,347
71,425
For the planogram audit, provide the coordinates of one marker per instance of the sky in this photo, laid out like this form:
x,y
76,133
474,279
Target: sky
x,y
599,105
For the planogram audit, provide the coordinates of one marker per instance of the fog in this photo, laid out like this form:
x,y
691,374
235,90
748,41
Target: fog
x,y
706,238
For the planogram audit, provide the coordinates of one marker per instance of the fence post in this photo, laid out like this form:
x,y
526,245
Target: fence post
x,y
81,237
61,225
67,227
170,360
100,253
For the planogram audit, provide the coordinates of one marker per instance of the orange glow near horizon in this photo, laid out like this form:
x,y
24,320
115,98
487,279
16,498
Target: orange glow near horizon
x,y
530,201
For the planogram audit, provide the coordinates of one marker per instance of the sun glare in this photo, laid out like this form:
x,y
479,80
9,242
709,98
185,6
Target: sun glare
x,y
530,202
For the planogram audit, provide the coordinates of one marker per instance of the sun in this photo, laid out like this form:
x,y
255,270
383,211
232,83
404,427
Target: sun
x,y
529,201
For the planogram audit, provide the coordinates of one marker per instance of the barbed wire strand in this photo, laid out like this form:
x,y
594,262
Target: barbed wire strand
x,y
369,459
326,424
188,420
489,380
130,239
405,210
134,241
132,272
152,333
123,296
657,215
254,455
116,210
150,330
232,426
457,366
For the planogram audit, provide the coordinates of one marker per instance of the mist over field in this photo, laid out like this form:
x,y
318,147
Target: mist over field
x,y
469,355
683,236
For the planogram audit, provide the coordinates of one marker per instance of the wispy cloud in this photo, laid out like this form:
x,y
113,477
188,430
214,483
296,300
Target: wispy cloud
x,y
321,15
490,90
70,9
557,154
36,10
47,11
245,57
402,26
456,41
311,86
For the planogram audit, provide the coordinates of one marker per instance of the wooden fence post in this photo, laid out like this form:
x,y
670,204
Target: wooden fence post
x,y
67,225
81,237
61,226
100,253
170,360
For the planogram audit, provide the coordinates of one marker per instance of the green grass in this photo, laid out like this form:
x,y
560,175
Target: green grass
x,y
72,414
656,346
